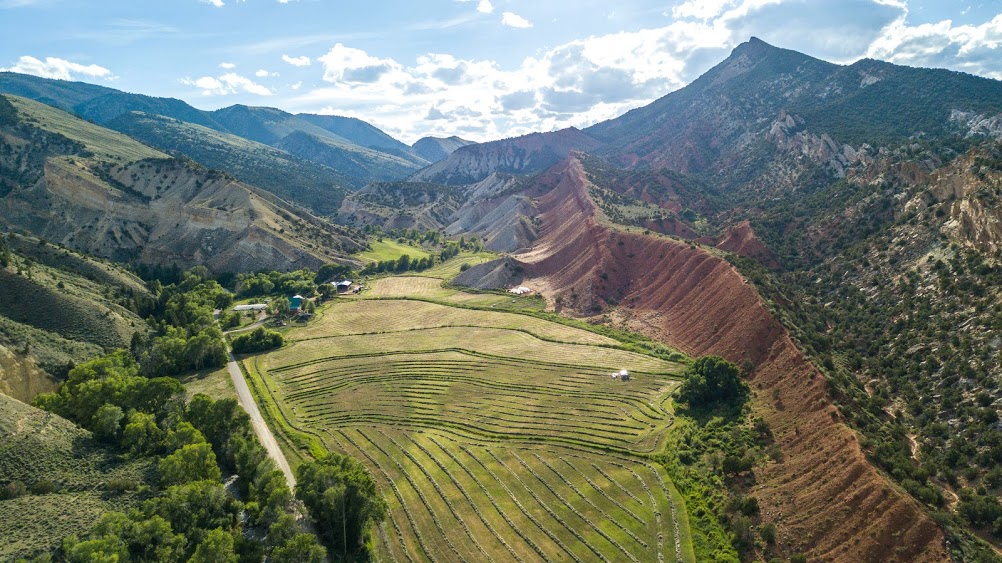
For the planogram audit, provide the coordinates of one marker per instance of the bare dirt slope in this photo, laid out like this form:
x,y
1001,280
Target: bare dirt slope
x,y
826,499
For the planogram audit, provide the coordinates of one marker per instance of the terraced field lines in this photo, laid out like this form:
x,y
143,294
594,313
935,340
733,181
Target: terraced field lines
x,y
521,507
517,529
421,543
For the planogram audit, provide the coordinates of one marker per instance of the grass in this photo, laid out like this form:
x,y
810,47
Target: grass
x,y
106,144
214,383
36,446
386,249
493,435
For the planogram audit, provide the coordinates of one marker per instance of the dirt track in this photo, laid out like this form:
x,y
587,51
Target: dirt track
x,y
246,400
825,498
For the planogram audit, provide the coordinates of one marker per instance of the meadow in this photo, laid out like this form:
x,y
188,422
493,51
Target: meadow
x,y
493,435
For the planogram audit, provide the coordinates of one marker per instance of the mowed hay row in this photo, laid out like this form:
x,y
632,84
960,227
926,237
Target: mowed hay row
x,y
515,400
452,499
366,317
481,340
408,286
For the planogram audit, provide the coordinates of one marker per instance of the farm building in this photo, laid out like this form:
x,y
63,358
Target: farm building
x,y
251,307
343,286
520,290
295,304
621,375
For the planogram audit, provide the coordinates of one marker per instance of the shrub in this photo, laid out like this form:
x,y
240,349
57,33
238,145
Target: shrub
x,y
710,380
259,340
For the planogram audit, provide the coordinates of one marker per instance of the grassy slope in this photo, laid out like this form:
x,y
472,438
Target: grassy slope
x,y
508,500
107,145
391,250
37,446
312,185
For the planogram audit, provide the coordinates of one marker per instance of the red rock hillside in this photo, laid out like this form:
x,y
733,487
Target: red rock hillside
x,y
833,504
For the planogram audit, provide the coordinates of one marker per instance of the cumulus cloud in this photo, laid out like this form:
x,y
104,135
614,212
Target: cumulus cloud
x,y
54,67
229,83
589,80
297,61
262,73
512,19
216,3
485,7
227,66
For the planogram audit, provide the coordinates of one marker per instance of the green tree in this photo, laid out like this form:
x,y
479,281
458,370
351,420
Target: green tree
x,y
183,434
342,501
217,547
107,424
141,435
330,272
280,306
710,380
194,462
302,548
108,549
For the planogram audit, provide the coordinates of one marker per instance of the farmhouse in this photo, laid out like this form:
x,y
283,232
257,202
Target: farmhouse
x,y
251,307
343,286
295,304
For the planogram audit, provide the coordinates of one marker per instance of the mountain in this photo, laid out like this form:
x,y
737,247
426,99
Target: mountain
x,y
358,132
362,164
294,179
434,149
855,212
368,153
97,190
521,155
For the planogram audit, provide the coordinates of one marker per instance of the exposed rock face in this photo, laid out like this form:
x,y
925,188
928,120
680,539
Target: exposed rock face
x,y
833,504
156,210
21,379
521,155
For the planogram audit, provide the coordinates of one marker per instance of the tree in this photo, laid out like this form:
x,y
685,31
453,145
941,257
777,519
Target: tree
x,y
257,341
711,380
342,500
329,272
217,547
302,548
141,435
280,306
194,462
107,423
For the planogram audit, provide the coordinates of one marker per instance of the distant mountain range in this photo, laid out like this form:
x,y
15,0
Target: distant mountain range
x,y
350,152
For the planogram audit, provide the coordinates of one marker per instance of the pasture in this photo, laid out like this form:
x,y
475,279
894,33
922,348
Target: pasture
x,y
494,436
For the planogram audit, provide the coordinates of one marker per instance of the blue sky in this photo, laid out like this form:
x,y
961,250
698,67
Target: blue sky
x,y
481,69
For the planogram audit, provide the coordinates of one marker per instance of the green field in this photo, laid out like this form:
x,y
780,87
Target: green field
x,y
380,250
494,436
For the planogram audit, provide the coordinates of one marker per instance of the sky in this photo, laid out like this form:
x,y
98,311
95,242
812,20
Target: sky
x,y
479,69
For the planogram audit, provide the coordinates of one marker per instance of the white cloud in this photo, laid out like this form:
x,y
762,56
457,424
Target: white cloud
x,y
589,80
296,61
512,19
229,83
227,66
485,7
216,3
54,67
262,73
297,85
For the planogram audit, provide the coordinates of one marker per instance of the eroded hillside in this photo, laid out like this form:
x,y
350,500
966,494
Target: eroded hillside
x,y
99,191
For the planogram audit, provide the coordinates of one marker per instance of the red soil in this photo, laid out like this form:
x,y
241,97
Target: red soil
x,y
824,497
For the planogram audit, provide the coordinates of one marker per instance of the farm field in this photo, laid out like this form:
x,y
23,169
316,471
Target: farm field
x,y
493,436
391,250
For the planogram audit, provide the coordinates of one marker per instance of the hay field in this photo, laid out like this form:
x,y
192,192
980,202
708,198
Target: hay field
x,y
494,436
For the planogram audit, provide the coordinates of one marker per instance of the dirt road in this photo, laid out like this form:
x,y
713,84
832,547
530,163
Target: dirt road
x,y
246,400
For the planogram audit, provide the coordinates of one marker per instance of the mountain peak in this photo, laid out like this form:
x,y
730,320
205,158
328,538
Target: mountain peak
x,y
754,47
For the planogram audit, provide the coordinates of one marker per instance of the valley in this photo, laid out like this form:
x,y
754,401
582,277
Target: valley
x,y
502,425
828,234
